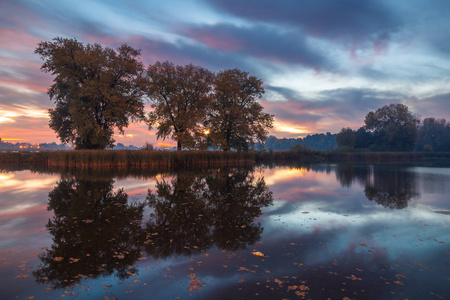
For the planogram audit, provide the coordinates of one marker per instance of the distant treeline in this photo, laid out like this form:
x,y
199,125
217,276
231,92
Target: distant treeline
x,y
394,128
318,141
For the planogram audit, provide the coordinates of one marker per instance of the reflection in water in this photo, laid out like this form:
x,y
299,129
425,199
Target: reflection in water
x,y
96,232
392,188
192,213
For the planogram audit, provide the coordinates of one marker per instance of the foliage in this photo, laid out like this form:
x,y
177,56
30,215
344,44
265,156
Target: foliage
x,y
147,146
346,138
434,135
363,138
96,232
237,119
95,89
299,148
393,127
394,189
191,212
180,97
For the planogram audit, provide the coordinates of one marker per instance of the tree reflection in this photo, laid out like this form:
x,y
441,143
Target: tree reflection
x,y
181,220
193,213
348,173
390,186
96,232
236,199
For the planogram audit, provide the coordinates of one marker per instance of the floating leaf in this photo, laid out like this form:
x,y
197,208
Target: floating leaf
x,y
257,253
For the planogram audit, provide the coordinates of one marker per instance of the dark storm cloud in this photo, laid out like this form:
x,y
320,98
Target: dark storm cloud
x,y
347,20
264,42
434,106
184,53
358,100
284,93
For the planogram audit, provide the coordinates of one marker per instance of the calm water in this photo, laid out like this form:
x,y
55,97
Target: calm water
x,y
317,232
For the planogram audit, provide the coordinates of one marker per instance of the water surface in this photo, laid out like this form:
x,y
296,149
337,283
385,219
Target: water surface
x,y
316,232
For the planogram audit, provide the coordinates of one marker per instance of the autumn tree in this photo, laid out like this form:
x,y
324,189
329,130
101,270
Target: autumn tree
x,y
180,97
345,139
394,127
95,90
237,119
96,232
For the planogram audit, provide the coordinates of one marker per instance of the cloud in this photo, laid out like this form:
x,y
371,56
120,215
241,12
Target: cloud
x,y
263,42
331,110
349,21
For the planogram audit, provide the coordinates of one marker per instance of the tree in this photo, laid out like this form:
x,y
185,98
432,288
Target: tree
x,y
180,95
363,139
346,138
237,119
95,90
96,232
394,127
434,135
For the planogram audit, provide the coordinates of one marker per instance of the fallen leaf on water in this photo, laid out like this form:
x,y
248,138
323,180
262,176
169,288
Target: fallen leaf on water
x,y
257,253
353,277
195,283
58,258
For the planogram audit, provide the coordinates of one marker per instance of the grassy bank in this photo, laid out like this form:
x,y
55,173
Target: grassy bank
x,y
161,160
124,159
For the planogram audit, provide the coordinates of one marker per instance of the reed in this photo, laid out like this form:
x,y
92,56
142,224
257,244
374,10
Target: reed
x,y
144,160
124,159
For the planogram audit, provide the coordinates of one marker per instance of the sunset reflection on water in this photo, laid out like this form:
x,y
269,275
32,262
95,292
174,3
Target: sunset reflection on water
x,y
356,226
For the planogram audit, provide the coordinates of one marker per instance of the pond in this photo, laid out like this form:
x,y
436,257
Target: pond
x,y
338,231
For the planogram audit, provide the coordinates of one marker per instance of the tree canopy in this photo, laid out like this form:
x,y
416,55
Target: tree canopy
x,y
98,89
434,135
95,90
394,127
346,138
237,119
180,97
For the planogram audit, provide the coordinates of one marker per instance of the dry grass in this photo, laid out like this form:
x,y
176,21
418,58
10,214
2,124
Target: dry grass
x,y
123,159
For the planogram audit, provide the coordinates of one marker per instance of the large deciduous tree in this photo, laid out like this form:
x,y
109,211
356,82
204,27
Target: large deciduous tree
x,y
237,119
180,98
394,127
95,90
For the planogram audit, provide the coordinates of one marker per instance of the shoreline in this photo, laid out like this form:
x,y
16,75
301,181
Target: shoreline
x,y
154,159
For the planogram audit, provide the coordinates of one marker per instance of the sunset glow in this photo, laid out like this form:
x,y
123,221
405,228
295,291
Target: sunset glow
x,y
165,145
284,127
320,73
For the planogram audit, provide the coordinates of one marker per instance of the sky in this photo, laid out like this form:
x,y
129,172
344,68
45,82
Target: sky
x,y
325,64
